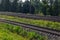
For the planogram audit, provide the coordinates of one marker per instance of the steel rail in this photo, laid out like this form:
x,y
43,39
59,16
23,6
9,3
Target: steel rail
x,y
39,29
36,17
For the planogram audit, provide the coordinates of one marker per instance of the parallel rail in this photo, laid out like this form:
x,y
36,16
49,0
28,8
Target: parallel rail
x,y
39,29
30,16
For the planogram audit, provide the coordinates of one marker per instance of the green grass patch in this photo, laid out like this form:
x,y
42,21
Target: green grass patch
x,y
7,35
13,32
42,23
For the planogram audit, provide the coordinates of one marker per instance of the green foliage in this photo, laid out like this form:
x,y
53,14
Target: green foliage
x,y
54,8
41,23
6,34
21,32
46,7
5,5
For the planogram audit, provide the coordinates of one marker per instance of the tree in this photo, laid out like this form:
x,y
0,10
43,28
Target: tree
x,y
31,9
36,4
20,6
5,5
56,12
0,7
14,6
26,7
44,7
53,9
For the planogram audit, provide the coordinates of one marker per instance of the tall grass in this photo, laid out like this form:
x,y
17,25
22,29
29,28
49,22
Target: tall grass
x,y
41,23
8,35
21,32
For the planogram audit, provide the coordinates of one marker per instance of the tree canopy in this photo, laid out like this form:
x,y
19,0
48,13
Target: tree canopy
x,y
46,7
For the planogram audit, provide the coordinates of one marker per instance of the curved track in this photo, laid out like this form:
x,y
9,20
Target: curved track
x,y
31,16
46,30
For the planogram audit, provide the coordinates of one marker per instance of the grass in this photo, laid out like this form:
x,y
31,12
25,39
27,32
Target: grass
x,y
7,35
12,32
42,23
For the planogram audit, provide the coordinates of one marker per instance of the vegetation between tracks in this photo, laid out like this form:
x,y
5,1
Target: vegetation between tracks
x,y
12,32
41,23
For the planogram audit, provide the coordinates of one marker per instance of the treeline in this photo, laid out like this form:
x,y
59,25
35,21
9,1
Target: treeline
x,y
47,7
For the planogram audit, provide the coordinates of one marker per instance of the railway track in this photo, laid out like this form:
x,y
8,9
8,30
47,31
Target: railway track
x,y
45,30
30,16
